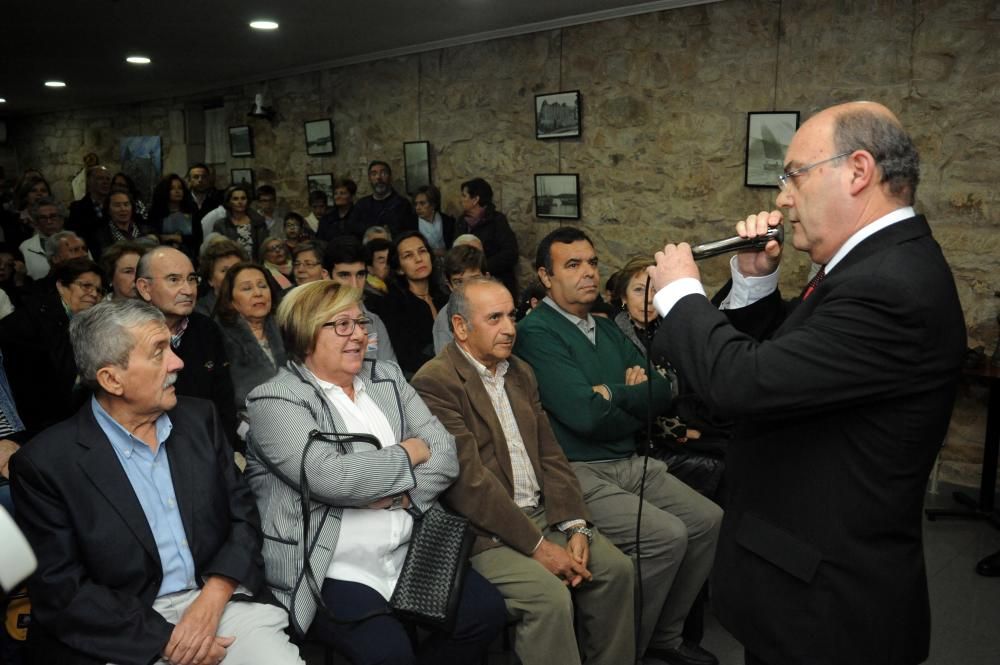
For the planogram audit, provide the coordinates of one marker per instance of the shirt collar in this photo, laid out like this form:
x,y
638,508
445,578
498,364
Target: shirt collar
x,y
163,427
586,325
326,386
481,369
866,232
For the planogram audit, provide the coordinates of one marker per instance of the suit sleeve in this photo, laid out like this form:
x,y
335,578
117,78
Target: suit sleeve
x,y
222,385
280,422
569,396
92,618
477,493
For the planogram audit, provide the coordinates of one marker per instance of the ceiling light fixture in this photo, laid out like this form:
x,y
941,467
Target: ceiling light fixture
x,y
55,84
2,100
264,24
138,60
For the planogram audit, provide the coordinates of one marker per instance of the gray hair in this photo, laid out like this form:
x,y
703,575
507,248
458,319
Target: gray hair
x,y
53,242
102,337
46,201
459,304
373,231
887,141
467,239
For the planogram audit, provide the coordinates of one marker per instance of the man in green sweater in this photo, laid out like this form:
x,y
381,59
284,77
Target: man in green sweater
x,y
594,389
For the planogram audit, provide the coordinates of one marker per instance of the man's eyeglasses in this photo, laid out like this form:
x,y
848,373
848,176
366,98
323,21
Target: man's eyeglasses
x,y
345,327
785,178
89,287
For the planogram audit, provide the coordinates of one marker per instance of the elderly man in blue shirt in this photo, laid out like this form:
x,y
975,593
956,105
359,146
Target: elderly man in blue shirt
x,y
147,538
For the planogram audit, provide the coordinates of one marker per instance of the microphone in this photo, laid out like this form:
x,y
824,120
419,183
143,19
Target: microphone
x,y
736,244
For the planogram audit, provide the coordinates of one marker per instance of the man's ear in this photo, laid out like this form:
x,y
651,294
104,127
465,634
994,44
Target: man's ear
x,y
110,381
864,171
459,327
142,288
543,277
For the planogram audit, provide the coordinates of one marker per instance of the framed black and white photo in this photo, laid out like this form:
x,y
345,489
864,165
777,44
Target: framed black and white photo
x,y
417,164
243,177
768,136
557,195
319,137
557,115
241,141
321,182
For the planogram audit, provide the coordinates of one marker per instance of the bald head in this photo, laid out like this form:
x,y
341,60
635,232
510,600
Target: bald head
x,y
166,278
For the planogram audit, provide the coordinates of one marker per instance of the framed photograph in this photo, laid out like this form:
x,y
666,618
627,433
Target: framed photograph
x,y
417,164
557,195
319,137
241,141
768,136
322,182
243,177
557,115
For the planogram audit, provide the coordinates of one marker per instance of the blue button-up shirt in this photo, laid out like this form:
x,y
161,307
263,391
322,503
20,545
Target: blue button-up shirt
x,y
150,477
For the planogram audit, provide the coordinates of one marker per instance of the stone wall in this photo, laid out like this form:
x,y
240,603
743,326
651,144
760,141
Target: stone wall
x,y
665,97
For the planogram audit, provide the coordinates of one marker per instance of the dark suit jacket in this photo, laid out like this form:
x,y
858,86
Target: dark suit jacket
x,y
840,414
499,244
484,491
98,567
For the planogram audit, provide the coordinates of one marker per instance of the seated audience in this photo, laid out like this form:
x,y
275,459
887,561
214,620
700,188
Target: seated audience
x,y
593,387
172,215
242,225
267,207
469,239
166,279
318,207
296,231
346,265
307,263
35,339
121,182
363,498
17,224
14,278
48,218
377,261
274,257
481,218
122,222
373,232
521,495
118,263
87,214
461,263
413,301
213,264
437,227
341,220
249,332
147,538
385,206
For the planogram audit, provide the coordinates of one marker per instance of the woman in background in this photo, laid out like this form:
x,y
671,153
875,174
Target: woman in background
x,y
241,224
172,213
122,181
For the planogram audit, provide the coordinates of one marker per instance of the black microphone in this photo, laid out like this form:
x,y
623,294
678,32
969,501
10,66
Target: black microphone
x,y
736,244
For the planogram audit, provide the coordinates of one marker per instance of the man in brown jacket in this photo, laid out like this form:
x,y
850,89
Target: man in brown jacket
x,y
516,487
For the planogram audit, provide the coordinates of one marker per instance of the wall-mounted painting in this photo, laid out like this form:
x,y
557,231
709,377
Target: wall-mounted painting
x,y
557,195
320,182
319,137
768,136
142,160
557,115
243,177
417,164
241,141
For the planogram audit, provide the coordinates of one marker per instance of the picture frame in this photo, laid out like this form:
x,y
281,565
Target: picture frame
x,y
241,141
319,137
557,115
246,177
768,136
557,195
416,165
322,182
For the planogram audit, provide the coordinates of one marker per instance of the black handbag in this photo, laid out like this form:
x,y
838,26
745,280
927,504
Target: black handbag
x,y
430,583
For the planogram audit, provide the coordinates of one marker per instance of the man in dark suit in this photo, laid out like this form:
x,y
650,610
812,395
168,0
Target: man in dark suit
x,y
384,206
522,497
842,398
144,531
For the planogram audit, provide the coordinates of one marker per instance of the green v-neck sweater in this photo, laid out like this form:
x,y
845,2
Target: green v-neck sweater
x,y
568,366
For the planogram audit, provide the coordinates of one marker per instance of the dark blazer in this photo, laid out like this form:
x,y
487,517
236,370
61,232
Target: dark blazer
x,y
206,370
333,226
410,323
85,219
484,491
840,411
499,244
98,567
258,231
249,366
393,212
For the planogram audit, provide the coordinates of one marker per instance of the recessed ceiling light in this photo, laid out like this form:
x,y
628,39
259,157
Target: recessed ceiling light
x,y
138,60
55,84
264,25
2,100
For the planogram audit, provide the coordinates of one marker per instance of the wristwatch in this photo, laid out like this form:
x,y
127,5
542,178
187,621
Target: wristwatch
x,y
397,502
587,531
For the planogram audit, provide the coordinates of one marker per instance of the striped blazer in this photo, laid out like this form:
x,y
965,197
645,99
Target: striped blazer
x,y
283,412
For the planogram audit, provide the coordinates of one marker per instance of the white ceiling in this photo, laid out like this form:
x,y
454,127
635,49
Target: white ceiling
x,y
203,45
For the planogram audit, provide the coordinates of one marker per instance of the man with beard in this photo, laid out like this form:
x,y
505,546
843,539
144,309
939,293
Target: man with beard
x,y
166,279
148,541
384,206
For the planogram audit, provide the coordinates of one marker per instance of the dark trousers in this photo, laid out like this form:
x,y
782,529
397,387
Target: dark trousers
x,y
383,640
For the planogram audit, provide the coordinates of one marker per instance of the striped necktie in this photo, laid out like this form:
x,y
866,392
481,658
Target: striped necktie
x,y
814,282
